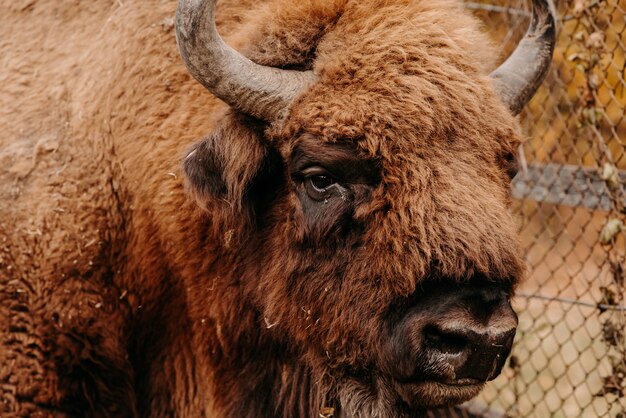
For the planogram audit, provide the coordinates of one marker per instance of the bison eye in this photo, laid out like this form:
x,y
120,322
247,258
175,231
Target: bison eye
x,y
317,181
321,182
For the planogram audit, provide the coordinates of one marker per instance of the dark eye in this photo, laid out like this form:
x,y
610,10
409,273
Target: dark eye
x,y
321,181
316,181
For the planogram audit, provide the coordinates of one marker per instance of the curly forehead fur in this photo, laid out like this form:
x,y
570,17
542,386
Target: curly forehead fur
x,y
408,83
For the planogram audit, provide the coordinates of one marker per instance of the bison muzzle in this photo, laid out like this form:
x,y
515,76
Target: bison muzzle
x,y
456,338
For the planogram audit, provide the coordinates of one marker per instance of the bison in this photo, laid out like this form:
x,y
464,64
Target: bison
x,y
338,242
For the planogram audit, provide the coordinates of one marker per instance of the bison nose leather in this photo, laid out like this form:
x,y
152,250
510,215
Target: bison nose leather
x,y
473,344
471,355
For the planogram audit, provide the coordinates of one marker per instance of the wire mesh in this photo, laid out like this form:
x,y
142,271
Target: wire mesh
x,y
569,356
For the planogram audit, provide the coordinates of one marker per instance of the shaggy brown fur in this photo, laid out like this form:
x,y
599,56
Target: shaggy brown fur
x,y
119,297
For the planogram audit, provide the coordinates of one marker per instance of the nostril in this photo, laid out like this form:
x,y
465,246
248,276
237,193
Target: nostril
x,y
445,341
466,353
487,357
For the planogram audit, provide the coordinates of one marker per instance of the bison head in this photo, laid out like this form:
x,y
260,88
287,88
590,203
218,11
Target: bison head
x,y
360,189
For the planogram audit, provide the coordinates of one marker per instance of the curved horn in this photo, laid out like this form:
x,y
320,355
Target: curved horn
x,y
519,77
257,90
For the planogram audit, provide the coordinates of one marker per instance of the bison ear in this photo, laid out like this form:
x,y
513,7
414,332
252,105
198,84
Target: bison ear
x,y
233,173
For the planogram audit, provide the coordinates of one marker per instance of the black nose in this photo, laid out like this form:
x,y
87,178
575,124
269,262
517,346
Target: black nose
x,y
474,337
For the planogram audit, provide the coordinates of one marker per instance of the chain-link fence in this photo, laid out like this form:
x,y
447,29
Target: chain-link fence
x,y
569,357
